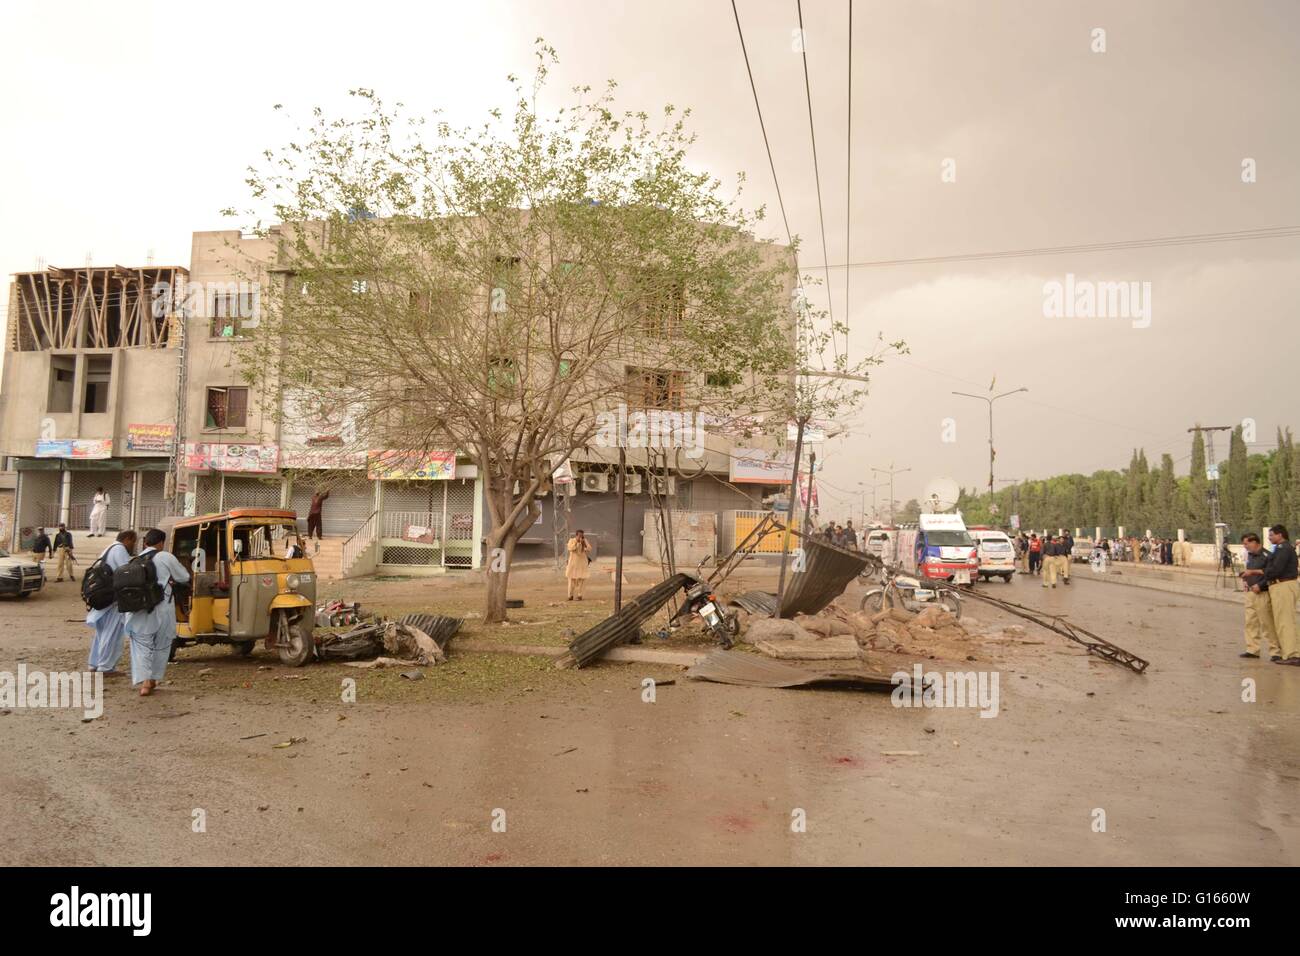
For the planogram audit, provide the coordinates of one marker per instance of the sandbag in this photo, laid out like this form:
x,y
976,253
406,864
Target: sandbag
x,y
775,629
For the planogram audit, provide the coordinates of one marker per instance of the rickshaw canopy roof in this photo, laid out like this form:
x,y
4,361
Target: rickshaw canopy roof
x,y
278,514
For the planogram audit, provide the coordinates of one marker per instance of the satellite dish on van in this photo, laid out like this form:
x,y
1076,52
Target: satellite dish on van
x,y
940,495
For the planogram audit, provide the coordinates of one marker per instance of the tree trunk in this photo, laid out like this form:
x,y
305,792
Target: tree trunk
x,y
501,555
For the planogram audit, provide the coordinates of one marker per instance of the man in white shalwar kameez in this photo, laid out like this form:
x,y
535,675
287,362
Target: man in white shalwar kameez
x,y
152,632
109,623
99,513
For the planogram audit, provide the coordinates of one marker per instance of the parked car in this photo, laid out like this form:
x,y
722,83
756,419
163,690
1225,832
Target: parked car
x,y
1082,550
20,576
996,553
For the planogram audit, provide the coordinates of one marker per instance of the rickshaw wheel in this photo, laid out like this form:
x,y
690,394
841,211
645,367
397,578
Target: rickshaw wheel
x,y
243,648
300,646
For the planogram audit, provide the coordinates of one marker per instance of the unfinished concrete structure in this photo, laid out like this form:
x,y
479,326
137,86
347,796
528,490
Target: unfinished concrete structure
x,y
90,371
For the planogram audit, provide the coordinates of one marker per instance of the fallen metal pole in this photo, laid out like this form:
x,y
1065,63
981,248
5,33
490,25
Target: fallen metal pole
x,y
1091,642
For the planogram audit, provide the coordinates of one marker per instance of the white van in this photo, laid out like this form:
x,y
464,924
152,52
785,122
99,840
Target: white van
x,y
997,554
880,542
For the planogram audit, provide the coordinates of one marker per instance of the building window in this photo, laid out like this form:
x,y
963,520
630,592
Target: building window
x,y
229,310
651,388
501,374
63,375
99,373
227,407
663,306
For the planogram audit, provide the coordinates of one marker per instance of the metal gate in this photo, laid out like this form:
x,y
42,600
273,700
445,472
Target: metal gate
x,y
428,523
36,492
351,500
152,506
244,491
84,485
207,494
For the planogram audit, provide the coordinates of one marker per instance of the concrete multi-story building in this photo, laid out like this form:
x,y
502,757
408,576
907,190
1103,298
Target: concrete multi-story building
x,y
91,367
95,376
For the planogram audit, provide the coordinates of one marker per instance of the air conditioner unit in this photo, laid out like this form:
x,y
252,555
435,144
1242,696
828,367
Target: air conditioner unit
x,y
632,483
659,485
595,481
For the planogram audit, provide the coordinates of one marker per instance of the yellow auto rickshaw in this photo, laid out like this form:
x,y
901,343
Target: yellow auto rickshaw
x,y
250,580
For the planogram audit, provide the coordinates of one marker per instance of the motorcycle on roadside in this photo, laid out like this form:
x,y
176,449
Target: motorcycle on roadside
x,y
905,592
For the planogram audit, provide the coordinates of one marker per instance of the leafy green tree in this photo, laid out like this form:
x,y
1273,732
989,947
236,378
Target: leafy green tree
x,y
1198,506
1235,485
503,289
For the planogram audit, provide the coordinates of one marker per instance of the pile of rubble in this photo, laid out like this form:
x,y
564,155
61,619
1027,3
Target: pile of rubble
x,y
839,633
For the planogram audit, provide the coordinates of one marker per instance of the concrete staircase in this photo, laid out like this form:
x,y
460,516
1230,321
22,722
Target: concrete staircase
x,y
329,559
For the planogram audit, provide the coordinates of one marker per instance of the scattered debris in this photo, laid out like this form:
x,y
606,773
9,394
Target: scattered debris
x,y
413,675
439,627
289,743
338,613
252,736
405,639
900,753
566,750
619,627
1094,644
751,670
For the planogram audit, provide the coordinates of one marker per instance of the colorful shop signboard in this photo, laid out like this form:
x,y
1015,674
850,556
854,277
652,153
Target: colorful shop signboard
x,y
756,466
253,459
411,466
155,438
75,448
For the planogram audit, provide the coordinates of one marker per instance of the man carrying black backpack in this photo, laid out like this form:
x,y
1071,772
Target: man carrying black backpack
x,y
144,592
101,601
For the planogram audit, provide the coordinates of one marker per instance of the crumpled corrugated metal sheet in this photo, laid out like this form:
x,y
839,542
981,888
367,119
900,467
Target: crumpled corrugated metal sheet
x,y
751,670
762,603
617,628
826,572
439,627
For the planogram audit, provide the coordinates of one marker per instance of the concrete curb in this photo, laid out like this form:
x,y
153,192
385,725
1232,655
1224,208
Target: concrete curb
x,y
639,655
1222,595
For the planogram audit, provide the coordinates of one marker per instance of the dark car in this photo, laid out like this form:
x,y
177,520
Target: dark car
x,y
19,576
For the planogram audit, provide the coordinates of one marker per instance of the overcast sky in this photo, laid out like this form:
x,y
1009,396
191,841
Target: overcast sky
x,y
127,126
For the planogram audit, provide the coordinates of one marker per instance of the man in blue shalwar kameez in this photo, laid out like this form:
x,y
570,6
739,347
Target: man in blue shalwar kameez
x,y
152,632
109,623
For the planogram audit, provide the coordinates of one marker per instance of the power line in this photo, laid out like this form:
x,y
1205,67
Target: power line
x,y
763,126
848,188
817,176
1272,232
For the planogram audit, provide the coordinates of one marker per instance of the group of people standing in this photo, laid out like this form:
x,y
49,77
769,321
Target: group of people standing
x,y
1271,591
840,535
1048,556
151,632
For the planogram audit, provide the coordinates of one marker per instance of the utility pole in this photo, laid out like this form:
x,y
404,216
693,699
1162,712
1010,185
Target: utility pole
x,y
991,399
794,490
1211,468
622,517
874,510
891,471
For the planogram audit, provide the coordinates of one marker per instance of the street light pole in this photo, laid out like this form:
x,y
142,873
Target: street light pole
x,y
991,399
891,471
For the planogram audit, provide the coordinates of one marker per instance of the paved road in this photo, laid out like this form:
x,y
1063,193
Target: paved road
x,y
586,772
